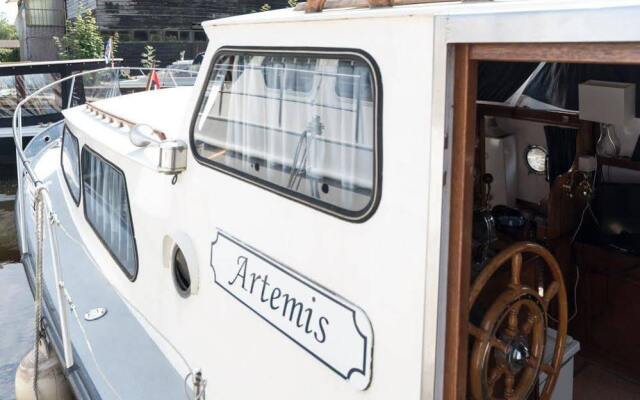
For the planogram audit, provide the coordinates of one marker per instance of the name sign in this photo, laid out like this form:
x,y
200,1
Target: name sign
x,y
328,327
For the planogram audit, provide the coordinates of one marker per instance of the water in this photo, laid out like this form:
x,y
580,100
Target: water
x,y
16,302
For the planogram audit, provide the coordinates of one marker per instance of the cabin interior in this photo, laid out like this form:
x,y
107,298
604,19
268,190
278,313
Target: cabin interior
x,y
556,161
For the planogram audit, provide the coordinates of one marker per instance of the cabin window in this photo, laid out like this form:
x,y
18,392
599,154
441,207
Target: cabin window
x,y
353,82
199,36
289,73
536,159
106,207
185,36
155,36
320,147
171,36
124,36
70,161
140,36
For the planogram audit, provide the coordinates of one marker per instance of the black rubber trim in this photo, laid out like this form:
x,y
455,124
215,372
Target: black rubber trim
x,y
345,53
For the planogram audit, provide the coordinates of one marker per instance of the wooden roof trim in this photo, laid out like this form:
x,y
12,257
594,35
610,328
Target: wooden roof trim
x,y
119,121
583,53
312,6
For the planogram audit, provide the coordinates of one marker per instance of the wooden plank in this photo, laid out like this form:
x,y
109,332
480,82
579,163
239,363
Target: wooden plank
x,y
333,4
584,53
620,162
559,118
459,279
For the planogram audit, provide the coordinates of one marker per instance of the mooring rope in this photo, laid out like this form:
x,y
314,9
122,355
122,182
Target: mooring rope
x,y
39,207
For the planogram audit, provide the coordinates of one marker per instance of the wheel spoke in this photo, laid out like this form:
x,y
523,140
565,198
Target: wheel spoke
x,y
494,376
512,323
476,332
481,334
516,268
509,383
529,323
547,369
551,292
532,362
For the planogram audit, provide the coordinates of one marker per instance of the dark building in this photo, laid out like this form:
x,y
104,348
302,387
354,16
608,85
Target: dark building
x,y
37,22
170,26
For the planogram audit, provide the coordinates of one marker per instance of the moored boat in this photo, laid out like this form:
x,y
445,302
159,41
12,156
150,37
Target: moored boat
x,y
335,214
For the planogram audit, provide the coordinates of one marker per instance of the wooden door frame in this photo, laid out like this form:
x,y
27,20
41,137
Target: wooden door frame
x,y
467,56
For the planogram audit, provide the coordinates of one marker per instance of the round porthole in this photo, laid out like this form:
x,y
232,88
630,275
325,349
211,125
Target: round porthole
x,y
536,159
181,276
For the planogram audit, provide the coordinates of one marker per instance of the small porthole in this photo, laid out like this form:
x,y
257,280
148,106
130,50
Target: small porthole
x,y
535,158
181,276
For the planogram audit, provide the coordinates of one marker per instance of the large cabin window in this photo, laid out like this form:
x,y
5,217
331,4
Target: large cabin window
x,y
106,207
70,161
303,124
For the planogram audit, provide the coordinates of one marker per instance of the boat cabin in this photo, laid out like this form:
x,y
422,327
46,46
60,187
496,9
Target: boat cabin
x,y
356,200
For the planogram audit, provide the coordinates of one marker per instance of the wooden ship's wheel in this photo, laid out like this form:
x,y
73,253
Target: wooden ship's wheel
x,y
508,351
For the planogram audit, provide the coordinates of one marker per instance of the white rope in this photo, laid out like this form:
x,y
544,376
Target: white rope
x,y
39,206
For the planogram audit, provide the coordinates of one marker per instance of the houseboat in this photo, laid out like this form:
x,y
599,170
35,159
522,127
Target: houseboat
x,y
356,199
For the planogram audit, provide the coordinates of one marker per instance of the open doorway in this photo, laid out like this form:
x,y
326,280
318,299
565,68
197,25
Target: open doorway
x,y
544,251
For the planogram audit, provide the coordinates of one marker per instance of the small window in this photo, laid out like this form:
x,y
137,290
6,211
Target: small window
x,y
199,36
140,36
353,82
290,74
106,207
124,36
320,149
536,159
171,36
155,36
185,36
70,161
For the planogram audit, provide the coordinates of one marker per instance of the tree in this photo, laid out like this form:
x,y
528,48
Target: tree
x,y
7,30
82,38
149,57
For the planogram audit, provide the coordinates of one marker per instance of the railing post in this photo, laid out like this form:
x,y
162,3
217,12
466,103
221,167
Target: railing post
x,y
20,189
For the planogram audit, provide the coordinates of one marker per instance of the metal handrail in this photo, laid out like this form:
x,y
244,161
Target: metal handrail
x,y
23,165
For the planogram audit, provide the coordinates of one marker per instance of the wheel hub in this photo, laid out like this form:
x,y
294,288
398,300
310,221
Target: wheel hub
x,y
518,353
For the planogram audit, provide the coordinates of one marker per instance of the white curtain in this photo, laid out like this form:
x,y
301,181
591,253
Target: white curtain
x,y
303,123
107,209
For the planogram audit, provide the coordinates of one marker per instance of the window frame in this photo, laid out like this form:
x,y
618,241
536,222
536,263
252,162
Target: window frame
x,y
197,33
133,35
66,129
134,276
327,208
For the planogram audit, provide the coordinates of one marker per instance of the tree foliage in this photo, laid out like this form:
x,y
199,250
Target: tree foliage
x,y
8,32
82,38
9,55
149,57
7,29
